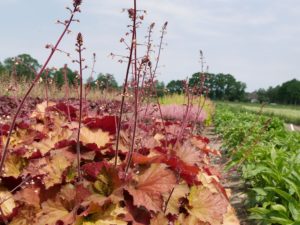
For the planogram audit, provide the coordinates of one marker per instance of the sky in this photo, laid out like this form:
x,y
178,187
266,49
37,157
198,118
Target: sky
x,y
257,41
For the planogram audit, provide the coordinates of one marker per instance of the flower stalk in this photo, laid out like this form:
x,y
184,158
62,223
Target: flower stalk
x,y
36,79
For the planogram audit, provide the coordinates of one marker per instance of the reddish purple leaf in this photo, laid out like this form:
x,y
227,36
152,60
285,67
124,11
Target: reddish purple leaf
x,y
106,123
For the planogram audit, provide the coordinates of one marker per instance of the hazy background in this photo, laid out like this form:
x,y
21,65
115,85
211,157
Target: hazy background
x,y
257,41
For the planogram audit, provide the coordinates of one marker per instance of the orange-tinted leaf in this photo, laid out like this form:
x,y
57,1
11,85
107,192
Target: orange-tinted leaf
x,y
45,145
141,159
51,168
150,185
188,154
207,206
202,144
187,172
96,137
180,191
230,217
8,204
29,195
52,211
26,215
13,166
189,220
160,219
40,110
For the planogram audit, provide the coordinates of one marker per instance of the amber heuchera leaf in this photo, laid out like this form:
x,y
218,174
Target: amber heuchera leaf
x,y
150,186
40,110
50,168
113,214
45,145
26,215
189,220
8,204
52,211
187,172
160,219
180,191
29,196
230,217
13,166
96,137
188,154
207,206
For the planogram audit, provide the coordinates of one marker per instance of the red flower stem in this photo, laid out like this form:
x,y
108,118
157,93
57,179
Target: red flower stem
x,y
152,74
67,89
79,39
5,148
46,85
136,94
125,87
184,119
168,200
148,52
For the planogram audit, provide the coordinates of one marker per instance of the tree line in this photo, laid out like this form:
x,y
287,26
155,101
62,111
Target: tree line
x,y
220,86
215,86
24,67
286,93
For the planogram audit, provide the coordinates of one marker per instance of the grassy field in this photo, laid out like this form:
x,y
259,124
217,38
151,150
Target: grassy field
x,y
290,114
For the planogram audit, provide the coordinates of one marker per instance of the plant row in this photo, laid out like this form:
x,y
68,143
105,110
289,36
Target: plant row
x,y
268,158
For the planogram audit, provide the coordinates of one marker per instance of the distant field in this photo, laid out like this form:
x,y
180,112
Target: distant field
x,y
290,114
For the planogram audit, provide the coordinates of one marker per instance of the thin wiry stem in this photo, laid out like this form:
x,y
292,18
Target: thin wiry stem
x,y
153,73
46,86
125,87
67,90
136,97
53,50
79,45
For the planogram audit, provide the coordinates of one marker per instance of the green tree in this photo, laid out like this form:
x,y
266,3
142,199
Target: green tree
x,y
289,92
160,89
175,86
273,94
221,86
106,82
2,68
59,77
262,95
24,65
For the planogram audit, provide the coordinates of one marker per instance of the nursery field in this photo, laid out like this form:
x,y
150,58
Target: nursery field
x,y
267,156
290,114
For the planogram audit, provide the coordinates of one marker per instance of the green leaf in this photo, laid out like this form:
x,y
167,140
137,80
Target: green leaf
x,y
260,191
294,208
278,207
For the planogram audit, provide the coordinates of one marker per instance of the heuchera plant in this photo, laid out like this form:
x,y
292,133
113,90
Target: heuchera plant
x,y
62,165
164,185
